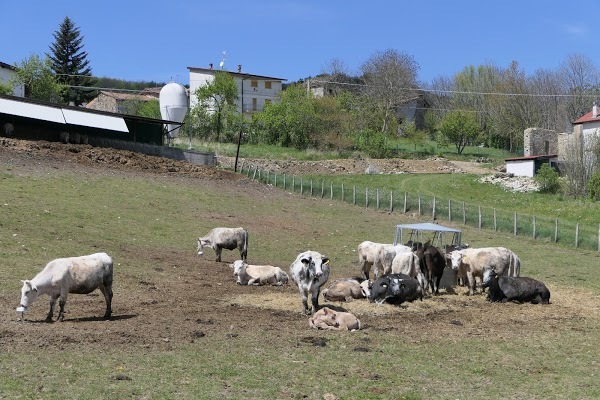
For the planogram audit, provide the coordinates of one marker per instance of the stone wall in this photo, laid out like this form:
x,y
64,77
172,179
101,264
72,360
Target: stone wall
x,y
538,141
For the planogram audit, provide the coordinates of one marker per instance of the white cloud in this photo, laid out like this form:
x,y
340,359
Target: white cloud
x,y
576,29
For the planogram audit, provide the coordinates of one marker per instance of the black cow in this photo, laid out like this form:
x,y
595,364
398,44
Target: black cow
x,y
432,263
395,289
507,288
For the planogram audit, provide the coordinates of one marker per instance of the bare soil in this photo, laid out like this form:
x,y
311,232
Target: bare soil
x,y
185,297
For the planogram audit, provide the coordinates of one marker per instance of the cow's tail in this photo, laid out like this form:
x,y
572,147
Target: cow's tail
x,y
515,266
245,251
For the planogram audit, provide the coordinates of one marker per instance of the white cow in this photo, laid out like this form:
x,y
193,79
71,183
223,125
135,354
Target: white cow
x,y
408,263
310,271
225,238
258,274
328,319
367,254
344,290
385,256
472,263
62,276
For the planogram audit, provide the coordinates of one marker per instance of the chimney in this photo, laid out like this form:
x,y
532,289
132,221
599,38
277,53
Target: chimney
x,y
239,67
595,110
210,66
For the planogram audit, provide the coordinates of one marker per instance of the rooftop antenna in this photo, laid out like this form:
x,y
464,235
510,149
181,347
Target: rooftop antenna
x,y
223,60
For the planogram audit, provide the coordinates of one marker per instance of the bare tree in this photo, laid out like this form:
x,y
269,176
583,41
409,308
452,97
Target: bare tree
x,y
580,161
580,78
390,78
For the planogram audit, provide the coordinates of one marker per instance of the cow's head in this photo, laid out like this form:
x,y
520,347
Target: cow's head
x,y
201,243
238,266
365,287
315,266
379,290
456,257
29,293
488,275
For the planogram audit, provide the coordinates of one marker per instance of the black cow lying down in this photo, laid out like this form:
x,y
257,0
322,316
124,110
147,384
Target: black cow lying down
x,y
395,289
507,288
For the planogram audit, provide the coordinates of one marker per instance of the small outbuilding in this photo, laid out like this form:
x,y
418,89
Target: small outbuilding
x,y
529,165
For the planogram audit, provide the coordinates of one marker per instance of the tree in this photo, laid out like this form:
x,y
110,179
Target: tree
x,y
70,64
547,179
390,79
6,89
39,81
459,128
215,97
413,135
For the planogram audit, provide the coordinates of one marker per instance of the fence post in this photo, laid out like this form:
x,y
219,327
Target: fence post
x,y
342,192
577,235
495,221
479,217
259,172
322,189
293,183
254,175
268,177
405,199
449,210
464,214
311,188
366,197
284,187
301,185
392,209
534,226
331,190
556,230
515,225
598,237
377,198
433,213
354,195
275,179
242,167
419,202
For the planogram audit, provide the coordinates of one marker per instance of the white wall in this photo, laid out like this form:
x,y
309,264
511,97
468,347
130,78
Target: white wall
x,y
6,75
250,95
521,168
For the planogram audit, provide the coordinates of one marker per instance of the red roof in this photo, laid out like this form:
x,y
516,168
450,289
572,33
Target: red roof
x,y
587,118
524,158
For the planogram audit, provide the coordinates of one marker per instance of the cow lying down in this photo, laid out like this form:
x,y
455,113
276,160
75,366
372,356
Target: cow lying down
x,y
326,318
344,290
395,289
62,276
521,289
258,274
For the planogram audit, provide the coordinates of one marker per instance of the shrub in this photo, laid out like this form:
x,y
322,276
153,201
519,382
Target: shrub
x,y
547,179
594,186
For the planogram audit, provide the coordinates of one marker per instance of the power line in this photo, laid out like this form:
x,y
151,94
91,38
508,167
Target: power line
x,y
466,92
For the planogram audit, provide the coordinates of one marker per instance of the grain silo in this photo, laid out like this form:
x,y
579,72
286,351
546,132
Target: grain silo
x,y
173,106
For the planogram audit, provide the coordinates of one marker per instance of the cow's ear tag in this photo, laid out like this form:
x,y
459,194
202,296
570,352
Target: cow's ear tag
x,y
326,262
384,285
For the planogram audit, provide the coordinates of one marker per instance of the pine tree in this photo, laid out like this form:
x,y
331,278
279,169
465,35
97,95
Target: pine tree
x,y
70,64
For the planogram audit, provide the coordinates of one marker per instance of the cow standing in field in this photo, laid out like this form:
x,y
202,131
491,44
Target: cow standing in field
x,y
310,271
367,253
408,263
225,238
473,262
432,262
62,276
522,289
385,256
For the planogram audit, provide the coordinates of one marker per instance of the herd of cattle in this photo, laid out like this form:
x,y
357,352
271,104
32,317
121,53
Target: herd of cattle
x,y
402,273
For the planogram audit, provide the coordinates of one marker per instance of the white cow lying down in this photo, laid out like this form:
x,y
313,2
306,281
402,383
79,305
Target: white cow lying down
x,y
62,276
258,274
326,318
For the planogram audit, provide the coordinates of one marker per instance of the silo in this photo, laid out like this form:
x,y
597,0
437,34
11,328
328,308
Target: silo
x,y
173,106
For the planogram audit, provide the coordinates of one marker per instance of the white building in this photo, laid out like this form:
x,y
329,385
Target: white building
x,y
7,73
254,91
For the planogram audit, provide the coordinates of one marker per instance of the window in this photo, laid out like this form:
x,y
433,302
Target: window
x,y
254,83
267,84
254,104
546,147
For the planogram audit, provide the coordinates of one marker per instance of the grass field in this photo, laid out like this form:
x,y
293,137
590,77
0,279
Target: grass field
x,y
255,344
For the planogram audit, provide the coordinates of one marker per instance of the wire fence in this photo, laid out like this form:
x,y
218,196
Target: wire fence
x,y
550,230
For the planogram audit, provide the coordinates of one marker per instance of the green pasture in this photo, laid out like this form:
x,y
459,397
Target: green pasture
x,y
46,216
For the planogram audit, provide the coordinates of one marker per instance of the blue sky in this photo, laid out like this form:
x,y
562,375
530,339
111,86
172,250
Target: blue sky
x,y
294,39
